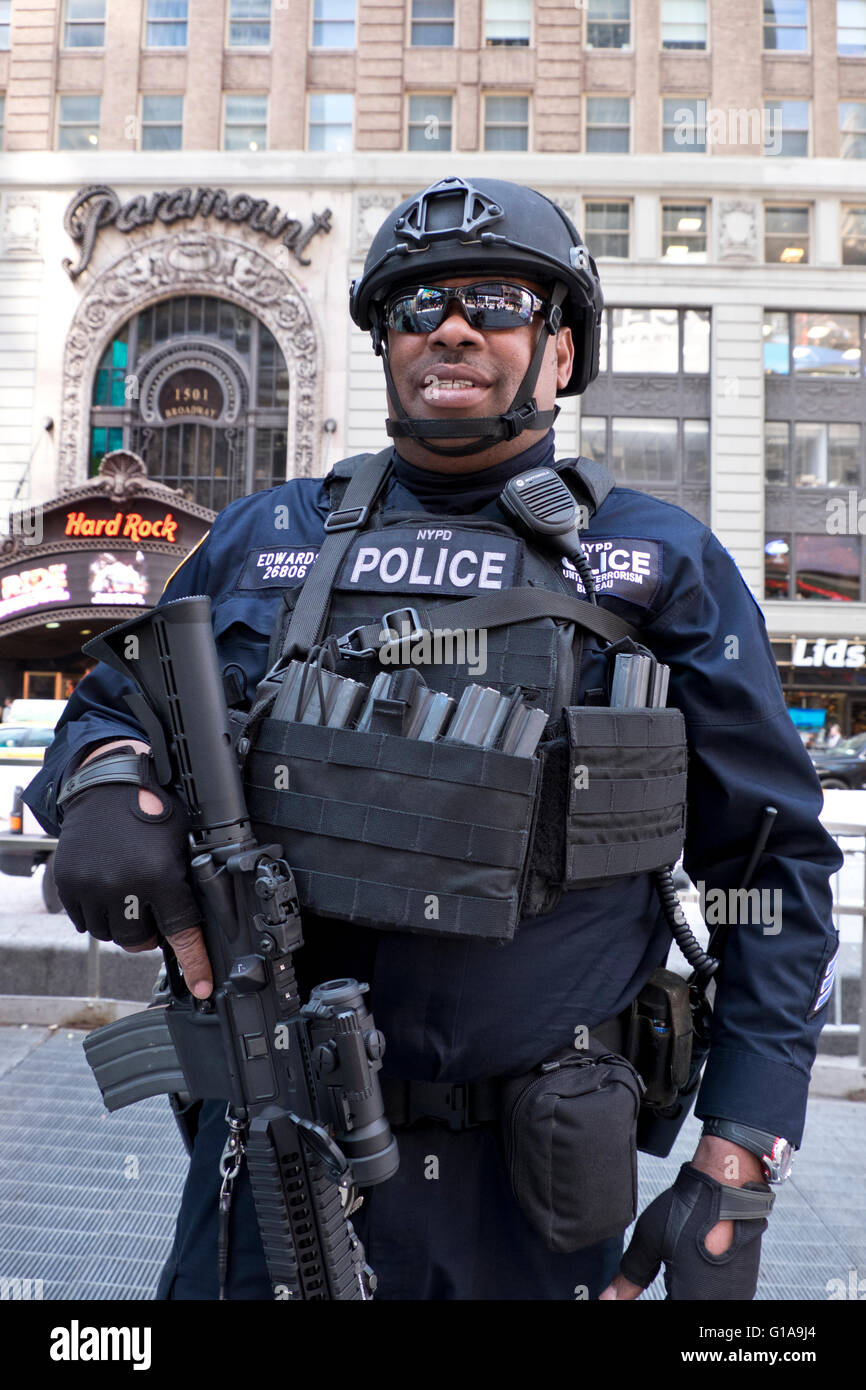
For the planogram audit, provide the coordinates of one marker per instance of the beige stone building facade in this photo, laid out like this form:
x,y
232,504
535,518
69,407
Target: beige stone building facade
x,y
713,154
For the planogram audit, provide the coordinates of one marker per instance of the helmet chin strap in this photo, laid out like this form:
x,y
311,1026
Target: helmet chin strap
x,y
522,414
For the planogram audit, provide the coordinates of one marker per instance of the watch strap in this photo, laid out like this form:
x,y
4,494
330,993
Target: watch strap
x,y
757,1141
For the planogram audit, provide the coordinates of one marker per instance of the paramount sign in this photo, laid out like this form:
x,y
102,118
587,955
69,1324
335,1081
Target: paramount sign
x,y
851,655
98,206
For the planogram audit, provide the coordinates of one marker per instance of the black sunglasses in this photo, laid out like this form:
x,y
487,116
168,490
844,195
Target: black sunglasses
x,y
490,305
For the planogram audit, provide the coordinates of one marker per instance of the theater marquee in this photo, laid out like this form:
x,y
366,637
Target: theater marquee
x,y
100,552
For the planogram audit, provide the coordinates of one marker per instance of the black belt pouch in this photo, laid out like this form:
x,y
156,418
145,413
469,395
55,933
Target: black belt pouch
x,y
569,1135
393,832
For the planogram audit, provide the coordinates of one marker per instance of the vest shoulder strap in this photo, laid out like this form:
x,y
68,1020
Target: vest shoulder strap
x,y
594,479
337,479
351,514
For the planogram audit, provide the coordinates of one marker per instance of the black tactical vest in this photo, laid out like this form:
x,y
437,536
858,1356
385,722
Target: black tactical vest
x,y
447,838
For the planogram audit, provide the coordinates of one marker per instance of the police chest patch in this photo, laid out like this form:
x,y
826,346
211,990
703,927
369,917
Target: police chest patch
x,y
265,569
435,559
628,568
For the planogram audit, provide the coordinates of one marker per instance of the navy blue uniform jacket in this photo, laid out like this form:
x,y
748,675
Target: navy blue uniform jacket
x,y
460,1010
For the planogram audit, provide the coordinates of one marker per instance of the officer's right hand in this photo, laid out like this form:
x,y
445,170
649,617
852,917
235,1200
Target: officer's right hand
x,y
125,884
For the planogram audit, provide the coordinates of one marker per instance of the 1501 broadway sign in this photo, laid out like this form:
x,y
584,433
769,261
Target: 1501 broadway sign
x,y
98,206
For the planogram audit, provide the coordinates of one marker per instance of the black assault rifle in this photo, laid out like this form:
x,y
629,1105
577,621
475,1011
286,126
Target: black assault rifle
x,y
304,1100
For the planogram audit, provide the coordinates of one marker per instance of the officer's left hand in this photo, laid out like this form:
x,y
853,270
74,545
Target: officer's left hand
x,y
700,1270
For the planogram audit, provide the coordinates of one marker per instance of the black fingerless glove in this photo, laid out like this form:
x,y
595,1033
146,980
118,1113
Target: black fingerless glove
x,y
121,873
672,1230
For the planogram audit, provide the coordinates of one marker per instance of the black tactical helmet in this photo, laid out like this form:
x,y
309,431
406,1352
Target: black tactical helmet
x,y
490,226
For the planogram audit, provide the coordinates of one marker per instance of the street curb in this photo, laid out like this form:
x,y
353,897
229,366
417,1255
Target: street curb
x,y
64,1011
834,1080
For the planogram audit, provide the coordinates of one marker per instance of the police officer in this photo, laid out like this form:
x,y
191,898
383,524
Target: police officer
x,y
484,305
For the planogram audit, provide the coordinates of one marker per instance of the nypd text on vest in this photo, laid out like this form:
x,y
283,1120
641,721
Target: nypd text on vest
x,y
444,559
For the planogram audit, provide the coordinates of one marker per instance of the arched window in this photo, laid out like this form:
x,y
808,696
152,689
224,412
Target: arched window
x,y
199,388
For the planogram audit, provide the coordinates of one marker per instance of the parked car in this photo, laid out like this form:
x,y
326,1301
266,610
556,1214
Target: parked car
x,y
842,766
35,712
24,845
24,743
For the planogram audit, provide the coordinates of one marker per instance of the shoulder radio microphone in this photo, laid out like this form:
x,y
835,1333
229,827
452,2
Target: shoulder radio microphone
x,y
543,505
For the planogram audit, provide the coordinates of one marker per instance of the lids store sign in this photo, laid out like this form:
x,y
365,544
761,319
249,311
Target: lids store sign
x,y
841,653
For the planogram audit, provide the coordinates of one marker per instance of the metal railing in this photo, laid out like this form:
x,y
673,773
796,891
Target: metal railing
x,y
851,840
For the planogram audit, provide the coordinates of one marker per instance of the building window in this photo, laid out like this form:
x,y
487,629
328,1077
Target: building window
x,y
608,24
652,427
507,23
214,459
669,458
432,24
852,127
85,24
607,125
816,567
811,344
78,123
2,117
684,24
685,125
166,24
606,229
334,24
851,28
5,16
684,232
330,125
810,464
826,455
246,123
250,24
786,128
786,234
786,25
656,341
854,236
506,123
161,122
429,122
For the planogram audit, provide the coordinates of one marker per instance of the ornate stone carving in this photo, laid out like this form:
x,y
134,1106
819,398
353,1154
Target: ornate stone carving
x,y
368,215
737,231
120,473
193,262
19,228
805,512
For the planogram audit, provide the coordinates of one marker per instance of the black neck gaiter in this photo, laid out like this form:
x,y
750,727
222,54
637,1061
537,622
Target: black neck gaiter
x,y
464,493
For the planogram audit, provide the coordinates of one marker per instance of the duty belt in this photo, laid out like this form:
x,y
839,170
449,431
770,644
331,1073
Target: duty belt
x,y
458,1104
466,1104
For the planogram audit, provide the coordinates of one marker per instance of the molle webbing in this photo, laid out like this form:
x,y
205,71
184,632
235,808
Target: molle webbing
x,y
393,832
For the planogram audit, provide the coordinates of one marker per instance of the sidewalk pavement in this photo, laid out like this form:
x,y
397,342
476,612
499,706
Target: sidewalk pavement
x,y
89,1199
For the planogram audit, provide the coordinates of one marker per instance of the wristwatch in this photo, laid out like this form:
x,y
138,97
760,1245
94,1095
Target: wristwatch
x,y
776,1154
